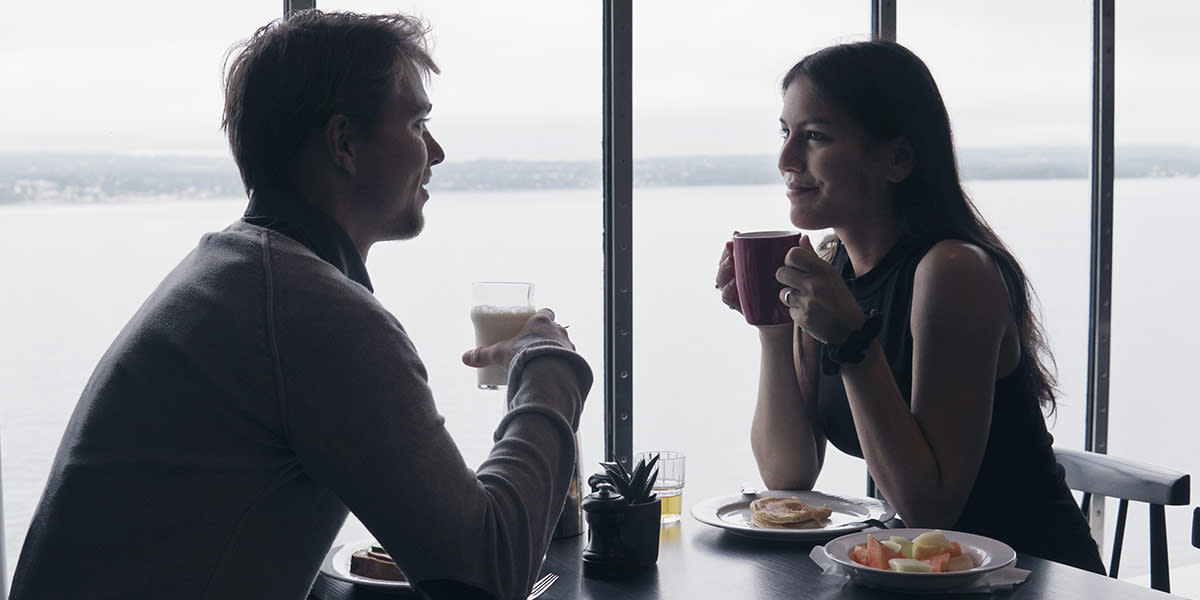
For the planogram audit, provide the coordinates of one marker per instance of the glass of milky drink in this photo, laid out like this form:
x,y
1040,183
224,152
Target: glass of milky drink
x,y
499,309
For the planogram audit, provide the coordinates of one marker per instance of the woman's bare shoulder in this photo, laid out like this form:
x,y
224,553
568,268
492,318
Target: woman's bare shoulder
x,y
958,258
955,275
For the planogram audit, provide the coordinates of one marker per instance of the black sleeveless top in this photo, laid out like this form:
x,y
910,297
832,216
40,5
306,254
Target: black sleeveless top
x,y
1020,496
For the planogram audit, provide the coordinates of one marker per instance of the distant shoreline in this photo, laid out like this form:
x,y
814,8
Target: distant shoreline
x,y
94,178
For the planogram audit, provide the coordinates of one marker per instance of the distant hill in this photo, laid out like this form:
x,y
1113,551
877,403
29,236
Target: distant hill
x,y
86,178
1067,163
66,178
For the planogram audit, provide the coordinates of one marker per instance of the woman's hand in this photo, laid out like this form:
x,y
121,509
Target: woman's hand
x,y
726,280
539,327
818,300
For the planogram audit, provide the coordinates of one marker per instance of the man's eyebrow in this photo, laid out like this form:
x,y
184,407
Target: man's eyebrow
x,y
422,109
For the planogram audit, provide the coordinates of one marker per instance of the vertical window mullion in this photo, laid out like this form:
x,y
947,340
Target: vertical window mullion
x,y
291,6
883,20
883,27
618,230
1100,292
1102,174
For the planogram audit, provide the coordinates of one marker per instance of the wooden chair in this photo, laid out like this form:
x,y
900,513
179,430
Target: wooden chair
x,y
1110,476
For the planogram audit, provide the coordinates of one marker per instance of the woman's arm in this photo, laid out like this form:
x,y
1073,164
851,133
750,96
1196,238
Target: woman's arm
x,y
783,435
787,443
925,458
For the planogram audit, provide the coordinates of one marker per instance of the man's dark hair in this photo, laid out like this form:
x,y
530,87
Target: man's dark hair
x,y
285,82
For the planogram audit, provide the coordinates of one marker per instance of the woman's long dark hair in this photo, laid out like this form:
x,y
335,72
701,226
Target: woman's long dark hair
x,y
890,92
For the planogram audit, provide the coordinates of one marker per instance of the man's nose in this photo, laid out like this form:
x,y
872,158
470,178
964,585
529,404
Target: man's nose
x,y
436,153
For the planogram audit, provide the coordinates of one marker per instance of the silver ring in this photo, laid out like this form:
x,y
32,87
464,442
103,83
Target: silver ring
x,y
787,296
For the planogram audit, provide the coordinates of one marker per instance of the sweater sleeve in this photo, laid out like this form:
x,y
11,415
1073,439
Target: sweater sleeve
x,y
362,421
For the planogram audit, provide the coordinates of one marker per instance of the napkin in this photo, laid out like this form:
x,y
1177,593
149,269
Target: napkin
x,y
1000,579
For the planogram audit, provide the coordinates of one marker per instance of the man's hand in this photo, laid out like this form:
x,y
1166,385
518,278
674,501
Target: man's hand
x,y
539,327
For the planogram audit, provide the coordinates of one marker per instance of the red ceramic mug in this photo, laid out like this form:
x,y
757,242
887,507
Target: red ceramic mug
x,y
756,257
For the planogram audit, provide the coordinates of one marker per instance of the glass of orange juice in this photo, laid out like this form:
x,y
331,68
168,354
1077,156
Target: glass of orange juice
x,y
669,484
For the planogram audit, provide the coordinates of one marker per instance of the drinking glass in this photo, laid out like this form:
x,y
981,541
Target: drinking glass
x,y
499,309
669,484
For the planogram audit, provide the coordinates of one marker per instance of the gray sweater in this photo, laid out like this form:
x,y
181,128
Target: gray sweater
x,y
255,397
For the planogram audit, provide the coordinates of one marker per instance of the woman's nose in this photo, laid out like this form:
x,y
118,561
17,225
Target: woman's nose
x,y
791,157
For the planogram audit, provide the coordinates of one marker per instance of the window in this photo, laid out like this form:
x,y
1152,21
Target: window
x,y
706,136
517,107
1154,212
95,96
1021,118
110,118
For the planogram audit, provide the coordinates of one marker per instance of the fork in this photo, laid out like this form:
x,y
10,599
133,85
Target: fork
x,y
542,585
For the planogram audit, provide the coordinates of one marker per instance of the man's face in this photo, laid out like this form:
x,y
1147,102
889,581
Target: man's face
x,y
394,160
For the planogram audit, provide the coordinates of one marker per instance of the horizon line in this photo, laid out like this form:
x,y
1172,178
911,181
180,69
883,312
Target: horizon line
x,y
21,153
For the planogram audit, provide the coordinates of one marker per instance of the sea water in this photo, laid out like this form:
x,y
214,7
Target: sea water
x,y
74,274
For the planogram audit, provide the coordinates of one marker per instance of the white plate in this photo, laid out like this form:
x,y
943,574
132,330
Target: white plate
x,y
337,566
732,513
988,553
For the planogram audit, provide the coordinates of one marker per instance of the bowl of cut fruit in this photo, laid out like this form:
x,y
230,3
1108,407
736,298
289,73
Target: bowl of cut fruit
x,y
918,559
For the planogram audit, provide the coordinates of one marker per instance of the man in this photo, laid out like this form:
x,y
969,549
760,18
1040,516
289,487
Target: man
x,y
261,390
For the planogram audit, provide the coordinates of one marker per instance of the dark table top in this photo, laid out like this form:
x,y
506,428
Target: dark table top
x,y
697,561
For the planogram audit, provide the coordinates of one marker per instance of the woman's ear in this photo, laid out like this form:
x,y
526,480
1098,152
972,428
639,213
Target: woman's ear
x,y
903,160
337,143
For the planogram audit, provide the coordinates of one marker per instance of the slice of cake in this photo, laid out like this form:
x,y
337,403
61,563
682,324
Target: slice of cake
x,y
375,563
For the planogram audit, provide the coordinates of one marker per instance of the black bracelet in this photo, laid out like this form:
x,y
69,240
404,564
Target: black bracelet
x,y
854,349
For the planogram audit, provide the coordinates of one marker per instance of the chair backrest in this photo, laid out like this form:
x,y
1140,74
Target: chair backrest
x,y
3,563
1196,527
1109,476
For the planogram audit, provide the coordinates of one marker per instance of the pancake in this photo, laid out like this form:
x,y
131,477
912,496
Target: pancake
x,y
787,513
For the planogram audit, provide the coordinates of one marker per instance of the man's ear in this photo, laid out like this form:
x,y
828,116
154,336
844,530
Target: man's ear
x,y
338,145
903,160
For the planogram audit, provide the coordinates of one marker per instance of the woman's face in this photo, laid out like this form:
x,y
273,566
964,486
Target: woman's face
x,y
835,174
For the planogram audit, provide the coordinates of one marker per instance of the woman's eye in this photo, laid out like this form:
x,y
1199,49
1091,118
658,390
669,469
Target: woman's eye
x,y
783,133
816,136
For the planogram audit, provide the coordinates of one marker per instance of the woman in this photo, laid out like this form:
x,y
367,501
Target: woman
x,y
914,345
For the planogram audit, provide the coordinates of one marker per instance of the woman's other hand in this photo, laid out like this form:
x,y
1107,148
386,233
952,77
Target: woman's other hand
x,y
817,298
726,279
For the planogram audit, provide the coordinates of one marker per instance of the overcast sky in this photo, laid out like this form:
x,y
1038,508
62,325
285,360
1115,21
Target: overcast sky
x,y
522,79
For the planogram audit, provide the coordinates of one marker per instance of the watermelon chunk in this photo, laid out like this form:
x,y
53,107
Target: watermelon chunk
x,y
878,555
859,555
937,564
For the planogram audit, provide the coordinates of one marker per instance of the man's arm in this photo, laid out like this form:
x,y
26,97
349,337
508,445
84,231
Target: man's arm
x,y
362,421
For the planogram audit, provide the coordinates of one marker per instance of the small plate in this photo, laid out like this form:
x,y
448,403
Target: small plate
x,y
337,566
988,553
732,513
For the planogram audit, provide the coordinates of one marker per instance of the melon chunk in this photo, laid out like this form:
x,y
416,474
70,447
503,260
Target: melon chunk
x,y
909,565
904,543
962,562
930,544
